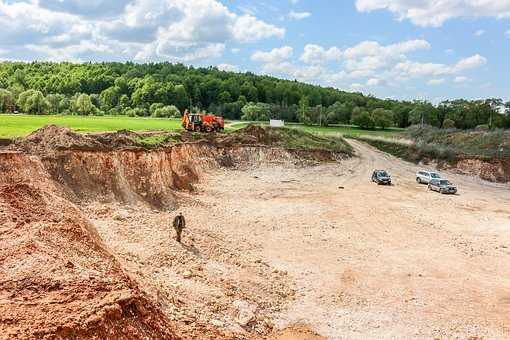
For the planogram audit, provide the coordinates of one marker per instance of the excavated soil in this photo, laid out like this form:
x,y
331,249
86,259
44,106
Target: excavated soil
x,y
279,244
87,248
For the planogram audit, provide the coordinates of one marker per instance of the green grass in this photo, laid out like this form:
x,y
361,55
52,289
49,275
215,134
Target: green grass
x,y
22,125
348,130
302,139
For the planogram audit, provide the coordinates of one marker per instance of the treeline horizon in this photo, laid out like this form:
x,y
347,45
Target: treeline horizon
x,y
166,90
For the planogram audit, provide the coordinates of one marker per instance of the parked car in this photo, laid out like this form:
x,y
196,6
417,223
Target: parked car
x,y
424,176
443,186
381,177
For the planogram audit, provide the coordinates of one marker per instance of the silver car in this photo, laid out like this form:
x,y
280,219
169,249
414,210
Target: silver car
x,y
442,186
424,176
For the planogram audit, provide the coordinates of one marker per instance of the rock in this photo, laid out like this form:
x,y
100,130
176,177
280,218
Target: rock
x,y
122,215
187,274
217,323
245,312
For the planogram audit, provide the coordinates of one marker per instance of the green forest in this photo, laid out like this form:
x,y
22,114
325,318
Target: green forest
x,y
166,90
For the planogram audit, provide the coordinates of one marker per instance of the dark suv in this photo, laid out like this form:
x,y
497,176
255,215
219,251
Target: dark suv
x,y
381,177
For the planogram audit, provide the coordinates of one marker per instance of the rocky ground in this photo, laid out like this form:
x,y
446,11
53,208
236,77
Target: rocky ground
x,y
273,249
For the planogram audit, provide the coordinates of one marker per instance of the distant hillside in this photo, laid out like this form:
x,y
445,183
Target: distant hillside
x,y
165,90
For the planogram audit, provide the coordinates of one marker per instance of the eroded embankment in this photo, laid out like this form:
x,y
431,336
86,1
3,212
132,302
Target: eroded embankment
x,y
88,167
150,176
57,280
57,277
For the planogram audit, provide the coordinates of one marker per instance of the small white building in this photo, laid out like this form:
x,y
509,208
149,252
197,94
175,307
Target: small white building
x,y
276,123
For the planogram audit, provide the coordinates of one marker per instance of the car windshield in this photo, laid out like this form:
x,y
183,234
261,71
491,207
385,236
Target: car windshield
x,y
444,182
434,175
383,174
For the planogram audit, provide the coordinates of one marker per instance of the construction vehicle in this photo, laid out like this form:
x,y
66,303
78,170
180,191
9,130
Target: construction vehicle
x,y
200,122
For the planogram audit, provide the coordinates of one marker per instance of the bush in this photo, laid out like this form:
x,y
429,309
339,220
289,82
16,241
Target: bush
x,y
154,107
448,124
166,112
364,120
382,118
136,112
113,112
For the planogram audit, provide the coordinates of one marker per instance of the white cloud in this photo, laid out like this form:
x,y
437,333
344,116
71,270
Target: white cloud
x,y
373,82
469,63
356,86
416,69
373,48
315,54
479,33
435,12
507,33
276,55
299,15
461,79
367,57
228,67
249,29
307,73
435,82
174,30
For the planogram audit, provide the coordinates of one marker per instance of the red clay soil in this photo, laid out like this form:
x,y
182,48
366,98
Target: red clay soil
x,y
56,278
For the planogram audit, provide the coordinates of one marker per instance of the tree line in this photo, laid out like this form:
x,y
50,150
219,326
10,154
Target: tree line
x,y
166,90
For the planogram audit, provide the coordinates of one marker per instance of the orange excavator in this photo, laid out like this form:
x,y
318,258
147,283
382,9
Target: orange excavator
x,y
199,122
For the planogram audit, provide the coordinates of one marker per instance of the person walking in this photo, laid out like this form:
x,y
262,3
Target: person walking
x,y
179,225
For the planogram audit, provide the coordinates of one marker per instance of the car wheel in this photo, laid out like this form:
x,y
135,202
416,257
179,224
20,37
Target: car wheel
x,y
418,180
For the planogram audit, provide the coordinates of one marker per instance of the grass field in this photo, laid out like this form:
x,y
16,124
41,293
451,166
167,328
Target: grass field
x,y
348,130
334,130
21,125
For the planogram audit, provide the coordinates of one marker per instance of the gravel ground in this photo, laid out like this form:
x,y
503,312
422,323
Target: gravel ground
x,y
274,246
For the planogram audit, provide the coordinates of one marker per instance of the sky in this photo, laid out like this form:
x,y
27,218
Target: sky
x,y
400,49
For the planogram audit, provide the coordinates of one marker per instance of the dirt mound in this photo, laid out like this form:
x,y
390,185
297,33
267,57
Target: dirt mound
x,y
119,139
57,280
52,137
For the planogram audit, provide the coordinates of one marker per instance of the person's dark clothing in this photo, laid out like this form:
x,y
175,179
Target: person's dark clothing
x,y
179,225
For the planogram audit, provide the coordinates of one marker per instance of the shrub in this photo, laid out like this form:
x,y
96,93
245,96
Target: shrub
x,y
448,124
136,112
364,120
166,112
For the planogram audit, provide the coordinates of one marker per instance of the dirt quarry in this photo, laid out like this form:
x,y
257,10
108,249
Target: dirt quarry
x,y
281,242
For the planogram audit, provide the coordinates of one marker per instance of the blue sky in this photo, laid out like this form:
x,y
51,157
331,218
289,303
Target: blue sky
x,y
403,49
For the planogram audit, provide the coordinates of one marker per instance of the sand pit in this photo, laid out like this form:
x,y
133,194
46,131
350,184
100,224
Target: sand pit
x,y
273,249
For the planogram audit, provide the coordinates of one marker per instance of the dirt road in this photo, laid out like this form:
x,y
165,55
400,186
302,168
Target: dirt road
x,y
365,262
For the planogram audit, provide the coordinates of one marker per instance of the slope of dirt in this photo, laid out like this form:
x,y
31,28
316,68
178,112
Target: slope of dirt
x,y
116,167
123,276
56,278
